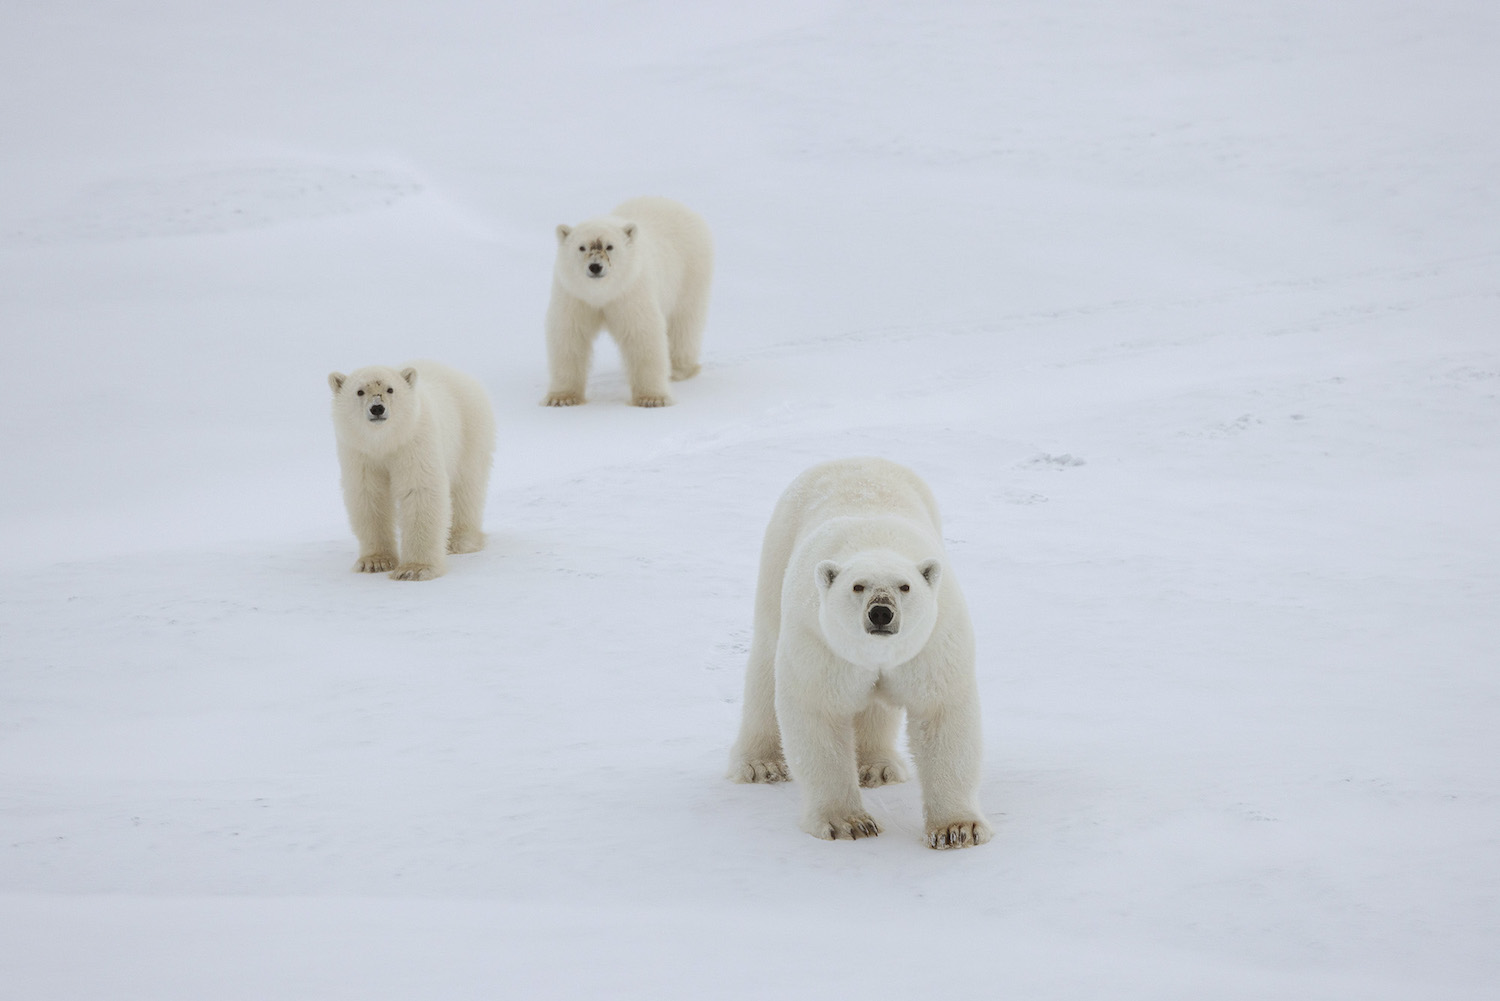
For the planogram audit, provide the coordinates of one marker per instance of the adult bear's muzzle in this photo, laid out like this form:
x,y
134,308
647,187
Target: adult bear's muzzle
x,y
880,617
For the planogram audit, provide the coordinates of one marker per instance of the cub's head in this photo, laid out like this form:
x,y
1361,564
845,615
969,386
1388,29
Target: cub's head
x,y
879,608
597,257
373,401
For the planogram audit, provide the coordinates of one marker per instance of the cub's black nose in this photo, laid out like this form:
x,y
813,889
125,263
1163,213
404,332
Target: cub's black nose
x,y
595,268
881,615
378,410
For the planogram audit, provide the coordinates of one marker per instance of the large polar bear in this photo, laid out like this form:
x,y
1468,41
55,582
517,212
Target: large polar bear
x,y
642,272
856,618
414,449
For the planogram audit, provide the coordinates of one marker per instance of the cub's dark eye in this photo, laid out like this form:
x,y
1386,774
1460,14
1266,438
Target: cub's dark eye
x,y
858,588
360,393
610,247
390,391
905,587
581,249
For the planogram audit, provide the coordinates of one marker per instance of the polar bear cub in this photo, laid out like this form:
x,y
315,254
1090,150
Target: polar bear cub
x,y
858,617
414,450
643,273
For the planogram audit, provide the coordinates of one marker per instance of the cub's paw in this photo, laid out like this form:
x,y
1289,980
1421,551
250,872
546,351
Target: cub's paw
x,y
415,571
650,401
761,771
850,828
466,542
563,400
374,563
883,772
959,834
686,372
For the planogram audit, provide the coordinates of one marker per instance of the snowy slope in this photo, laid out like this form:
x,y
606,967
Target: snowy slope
x,y
1187,312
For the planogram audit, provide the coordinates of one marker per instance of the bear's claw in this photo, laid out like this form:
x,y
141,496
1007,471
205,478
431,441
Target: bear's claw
x,y
851,828
374,563
415,571
650,401
763,771
562,400
880,773
959,834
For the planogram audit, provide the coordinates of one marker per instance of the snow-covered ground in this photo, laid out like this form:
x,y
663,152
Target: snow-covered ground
x,y
1188,312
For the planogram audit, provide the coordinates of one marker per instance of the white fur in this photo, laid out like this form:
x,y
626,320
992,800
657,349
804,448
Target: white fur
x,y
425,467
823,695
654,261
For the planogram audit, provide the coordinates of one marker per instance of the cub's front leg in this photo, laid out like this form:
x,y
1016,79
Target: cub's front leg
x,y
641,333
367,498
571,328
426,518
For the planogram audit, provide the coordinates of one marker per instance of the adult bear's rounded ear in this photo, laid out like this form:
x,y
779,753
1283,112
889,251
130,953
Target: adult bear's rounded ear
x,y
410,375
931,571
336,381
562,233
826,572
630,231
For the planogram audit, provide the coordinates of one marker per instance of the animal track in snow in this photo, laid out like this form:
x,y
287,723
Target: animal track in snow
x,y
1045,460
186,201
1227,429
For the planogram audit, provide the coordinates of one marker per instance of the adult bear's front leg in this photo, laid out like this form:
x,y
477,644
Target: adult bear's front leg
x,y
945,741
820,751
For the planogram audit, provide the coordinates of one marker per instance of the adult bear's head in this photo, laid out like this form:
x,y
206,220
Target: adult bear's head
x,y
878,608
597,259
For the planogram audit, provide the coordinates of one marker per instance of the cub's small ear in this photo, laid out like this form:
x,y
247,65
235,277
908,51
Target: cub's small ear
x,y
931,571
410,375
562,233
336,381
826,573
630,231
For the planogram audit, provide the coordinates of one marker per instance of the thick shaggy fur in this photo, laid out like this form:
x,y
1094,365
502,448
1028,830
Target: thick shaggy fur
x,y
858,617
414,450
643,273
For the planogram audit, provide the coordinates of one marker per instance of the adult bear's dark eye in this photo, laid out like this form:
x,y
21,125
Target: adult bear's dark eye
x,y
610,247
906,587
858,588
360,393
580,250
390,391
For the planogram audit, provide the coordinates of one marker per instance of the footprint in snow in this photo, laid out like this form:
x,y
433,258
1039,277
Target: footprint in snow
x,y
1045,460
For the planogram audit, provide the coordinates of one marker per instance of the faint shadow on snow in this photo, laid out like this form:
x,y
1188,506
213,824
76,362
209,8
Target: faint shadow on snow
x,y
211,199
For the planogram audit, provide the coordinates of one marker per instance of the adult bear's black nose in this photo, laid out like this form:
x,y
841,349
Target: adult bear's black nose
x,y
378,410
595,268
881,615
